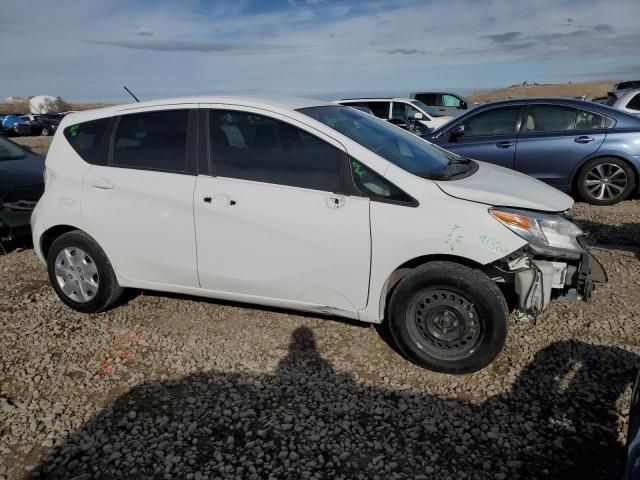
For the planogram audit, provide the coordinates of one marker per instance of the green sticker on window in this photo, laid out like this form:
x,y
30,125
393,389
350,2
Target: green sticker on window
x,y
74,130
357,168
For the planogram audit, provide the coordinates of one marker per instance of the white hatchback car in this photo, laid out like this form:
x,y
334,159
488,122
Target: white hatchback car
x,y
300,204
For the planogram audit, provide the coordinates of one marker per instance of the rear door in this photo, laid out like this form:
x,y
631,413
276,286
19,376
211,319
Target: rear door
x,y
139,206
272,221
554,139
489,135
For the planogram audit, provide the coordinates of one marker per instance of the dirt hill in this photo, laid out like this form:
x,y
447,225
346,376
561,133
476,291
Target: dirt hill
x,y
590,89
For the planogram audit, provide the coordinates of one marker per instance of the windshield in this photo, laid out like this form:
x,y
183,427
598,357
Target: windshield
x,y
9,150
426,108
398,146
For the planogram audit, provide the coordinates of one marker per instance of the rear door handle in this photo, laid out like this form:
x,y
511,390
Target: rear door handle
x,y
504,144
102,183
583,139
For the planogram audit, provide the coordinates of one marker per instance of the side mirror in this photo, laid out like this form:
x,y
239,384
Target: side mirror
x,y
463,105
456,132
418,115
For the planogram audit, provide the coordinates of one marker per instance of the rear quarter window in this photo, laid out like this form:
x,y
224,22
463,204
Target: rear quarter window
x,y
88,140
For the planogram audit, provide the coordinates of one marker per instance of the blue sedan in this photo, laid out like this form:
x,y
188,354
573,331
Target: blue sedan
x,y
578,147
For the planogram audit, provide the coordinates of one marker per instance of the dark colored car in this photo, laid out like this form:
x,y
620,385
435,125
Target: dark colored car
x,y
21,185
42,125
576,146
14,125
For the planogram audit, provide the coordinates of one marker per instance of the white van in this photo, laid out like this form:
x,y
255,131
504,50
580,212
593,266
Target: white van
x,y
301,204
400,109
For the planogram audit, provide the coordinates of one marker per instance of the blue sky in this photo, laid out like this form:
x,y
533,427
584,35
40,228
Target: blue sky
x,y
87,49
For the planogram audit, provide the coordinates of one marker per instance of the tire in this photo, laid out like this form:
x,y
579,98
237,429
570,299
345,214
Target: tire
x,y
605,181
448,318
45,132
81,273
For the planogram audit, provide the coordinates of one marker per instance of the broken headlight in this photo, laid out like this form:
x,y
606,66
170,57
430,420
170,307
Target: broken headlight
x,y
551,234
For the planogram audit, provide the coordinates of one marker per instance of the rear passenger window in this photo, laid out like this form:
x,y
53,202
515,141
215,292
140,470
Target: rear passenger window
x,y
262,149
550,118
152,141
86,139
588,121
634,103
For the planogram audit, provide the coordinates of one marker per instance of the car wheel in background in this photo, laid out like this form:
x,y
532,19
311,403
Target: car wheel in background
x,y
605,181
45,132
448,318
81,273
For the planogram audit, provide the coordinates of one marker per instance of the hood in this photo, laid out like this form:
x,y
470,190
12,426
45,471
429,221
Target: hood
x,y
499,186
19,173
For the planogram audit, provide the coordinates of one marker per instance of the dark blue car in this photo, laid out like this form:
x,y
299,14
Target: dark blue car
x,y
579,147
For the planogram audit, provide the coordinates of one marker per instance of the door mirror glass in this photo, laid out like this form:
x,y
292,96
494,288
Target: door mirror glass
x,y
418,115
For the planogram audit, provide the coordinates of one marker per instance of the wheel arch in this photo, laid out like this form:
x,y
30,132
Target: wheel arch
x,y
49,236
410,265
597,155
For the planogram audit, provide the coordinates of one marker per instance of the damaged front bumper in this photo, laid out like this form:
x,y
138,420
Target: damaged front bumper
x,y
541,275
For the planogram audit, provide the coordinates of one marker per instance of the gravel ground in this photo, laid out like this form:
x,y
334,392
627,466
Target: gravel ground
x,y
177,387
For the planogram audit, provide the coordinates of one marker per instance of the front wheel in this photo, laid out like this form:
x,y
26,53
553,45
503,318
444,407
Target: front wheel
x,y
81,273
448,318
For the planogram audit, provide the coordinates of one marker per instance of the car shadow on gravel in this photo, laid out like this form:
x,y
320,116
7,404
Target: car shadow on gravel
x,y
306,420
624,236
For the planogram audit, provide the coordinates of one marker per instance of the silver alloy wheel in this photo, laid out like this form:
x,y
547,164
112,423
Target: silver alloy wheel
x,y
77,274
606,181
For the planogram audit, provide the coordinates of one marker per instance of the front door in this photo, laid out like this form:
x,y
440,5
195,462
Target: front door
x,y
556,138
489,136
271,221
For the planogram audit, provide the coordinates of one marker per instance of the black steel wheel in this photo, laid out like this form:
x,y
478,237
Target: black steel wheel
x,y
446,324
448,317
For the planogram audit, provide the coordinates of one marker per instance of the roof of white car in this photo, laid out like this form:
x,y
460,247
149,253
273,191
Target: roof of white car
x,y
267,102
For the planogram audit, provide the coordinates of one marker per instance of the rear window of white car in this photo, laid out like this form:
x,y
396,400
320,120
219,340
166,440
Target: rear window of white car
x,y
87,138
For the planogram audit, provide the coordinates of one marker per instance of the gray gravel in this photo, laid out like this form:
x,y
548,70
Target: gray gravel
x,y
175,387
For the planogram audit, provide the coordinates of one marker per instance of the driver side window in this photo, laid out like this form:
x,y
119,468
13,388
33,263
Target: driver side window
x,y
497,121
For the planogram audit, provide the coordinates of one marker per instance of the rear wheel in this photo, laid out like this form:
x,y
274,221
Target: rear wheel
x,y
605,181
81,273
448,318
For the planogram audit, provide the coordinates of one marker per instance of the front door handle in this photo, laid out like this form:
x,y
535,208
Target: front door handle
x,y
504,144
442,109
583,139
335,201
102,183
